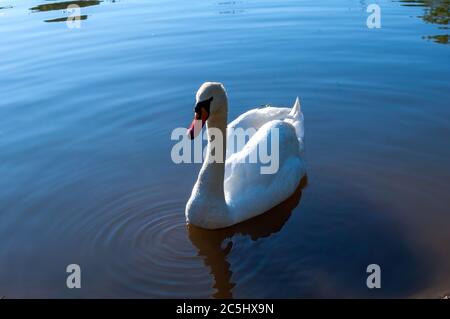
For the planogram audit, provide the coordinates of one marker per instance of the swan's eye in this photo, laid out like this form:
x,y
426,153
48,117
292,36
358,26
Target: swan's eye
x,y
205,104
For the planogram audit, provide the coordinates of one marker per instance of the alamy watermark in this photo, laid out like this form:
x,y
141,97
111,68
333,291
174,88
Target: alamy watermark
x,y
74,19
374,279
74,278
374,19
266,153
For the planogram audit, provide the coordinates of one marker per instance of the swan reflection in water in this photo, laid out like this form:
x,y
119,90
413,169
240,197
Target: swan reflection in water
x,y
209,242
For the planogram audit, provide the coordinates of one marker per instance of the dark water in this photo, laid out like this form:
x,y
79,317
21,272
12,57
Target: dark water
x,y
86,174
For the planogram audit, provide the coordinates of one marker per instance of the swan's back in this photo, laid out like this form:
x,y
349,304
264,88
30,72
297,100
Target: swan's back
x,y
254,119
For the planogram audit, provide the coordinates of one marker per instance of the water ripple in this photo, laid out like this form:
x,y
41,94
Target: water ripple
x,y
156,255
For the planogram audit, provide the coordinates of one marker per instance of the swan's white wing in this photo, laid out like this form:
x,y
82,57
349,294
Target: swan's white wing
x,y
251,121
248,123
260,116
248,192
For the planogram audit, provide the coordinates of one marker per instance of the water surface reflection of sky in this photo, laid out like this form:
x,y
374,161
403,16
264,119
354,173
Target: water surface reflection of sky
x,y
86,175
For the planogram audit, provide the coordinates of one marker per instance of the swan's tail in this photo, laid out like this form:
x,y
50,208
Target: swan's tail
x,y
296,119
296,109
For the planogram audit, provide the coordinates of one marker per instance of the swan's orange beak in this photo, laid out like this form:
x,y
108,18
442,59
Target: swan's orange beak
x,y
198,123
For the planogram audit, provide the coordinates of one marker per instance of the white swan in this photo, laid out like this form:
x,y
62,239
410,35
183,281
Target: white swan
x,y
230,191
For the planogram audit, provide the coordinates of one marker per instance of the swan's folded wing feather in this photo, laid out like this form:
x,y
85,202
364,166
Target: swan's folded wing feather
x,y
250,122
247,191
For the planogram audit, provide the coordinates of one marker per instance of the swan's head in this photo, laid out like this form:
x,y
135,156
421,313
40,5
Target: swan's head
x,y
211,101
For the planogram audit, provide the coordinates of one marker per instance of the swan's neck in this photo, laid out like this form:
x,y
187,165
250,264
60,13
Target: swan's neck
x,y
211,175
207,206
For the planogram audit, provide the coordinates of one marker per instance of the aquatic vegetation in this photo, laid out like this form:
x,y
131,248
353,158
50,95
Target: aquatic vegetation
x,y
435,12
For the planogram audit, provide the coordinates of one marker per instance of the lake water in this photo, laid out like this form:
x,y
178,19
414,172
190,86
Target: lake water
x,y
87,178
